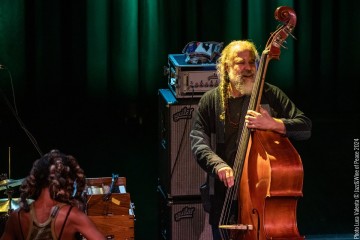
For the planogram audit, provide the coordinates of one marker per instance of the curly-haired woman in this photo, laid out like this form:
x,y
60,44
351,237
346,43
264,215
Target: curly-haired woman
x,y
55,183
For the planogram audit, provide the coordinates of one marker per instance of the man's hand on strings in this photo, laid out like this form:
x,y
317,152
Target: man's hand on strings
x,y
226,175
262,120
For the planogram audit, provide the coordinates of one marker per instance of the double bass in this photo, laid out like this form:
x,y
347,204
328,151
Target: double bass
x,y
268,172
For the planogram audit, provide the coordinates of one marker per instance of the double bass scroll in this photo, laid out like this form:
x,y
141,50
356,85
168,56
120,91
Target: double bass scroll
x,y
267,168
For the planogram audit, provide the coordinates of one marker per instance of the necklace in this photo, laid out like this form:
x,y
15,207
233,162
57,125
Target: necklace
x,y
233,109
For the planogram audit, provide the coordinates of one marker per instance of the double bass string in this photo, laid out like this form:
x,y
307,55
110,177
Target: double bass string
x,y
231,193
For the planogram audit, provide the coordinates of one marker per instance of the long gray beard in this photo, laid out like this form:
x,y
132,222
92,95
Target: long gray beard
x,y
245,88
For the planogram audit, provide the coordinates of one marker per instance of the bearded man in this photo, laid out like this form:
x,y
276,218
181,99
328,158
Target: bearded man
x,y
222,111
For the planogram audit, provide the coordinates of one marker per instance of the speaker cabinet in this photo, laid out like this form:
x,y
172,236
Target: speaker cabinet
x,y
180,174
185,221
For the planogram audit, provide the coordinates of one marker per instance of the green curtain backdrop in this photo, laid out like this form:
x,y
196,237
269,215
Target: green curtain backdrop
x,y
86,75
120,47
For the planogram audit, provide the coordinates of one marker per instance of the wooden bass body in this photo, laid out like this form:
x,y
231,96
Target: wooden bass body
x,y
270,186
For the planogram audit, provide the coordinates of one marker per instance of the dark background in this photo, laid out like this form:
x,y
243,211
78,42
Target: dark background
x,y
86,76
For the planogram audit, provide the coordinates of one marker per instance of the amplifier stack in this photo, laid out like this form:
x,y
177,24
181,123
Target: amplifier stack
x,y
182,216
181,213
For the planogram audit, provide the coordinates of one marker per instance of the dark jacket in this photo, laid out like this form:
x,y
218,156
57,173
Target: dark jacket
x,y
208,136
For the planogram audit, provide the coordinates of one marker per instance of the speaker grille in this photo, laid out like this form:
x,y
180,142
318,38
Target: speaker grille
x,y
180,173
190,221
185,221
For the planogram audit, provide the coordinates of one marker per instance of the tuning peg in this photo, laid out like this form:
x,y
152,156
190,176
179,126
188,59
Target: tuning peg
x,y
281,44
289,31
